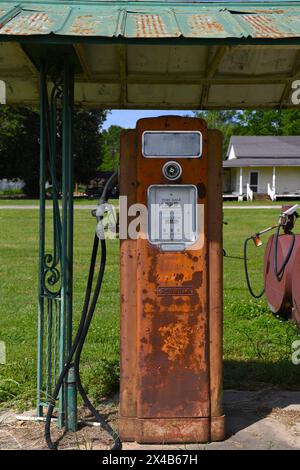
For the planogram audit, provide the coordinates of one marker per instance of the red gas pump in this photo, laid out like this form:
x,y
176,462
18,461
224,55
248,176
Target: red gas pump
x,y
281,265
296,289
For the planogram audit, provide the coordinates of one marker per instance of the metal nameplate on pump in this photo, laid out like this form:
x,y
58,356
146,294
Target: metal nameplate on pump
x,y
172,216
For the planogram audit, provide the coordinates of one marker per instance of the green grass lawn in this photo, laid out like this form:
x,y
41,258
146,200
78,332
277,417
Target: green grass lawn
x,y
257,347
35,202
266,202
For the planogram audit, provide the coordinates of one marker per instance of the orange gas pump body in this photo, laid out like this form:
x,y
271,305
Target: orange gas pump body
x,y
171,302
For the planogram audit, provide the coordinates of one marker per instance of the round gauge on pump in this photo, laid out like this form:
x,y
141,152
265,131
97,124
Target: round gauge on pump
x,y
172,170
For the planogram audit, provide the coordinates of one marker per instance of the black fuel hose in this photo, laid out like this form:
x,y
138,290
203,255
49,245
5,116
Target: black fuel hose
x,y
256,296
117,442
279,273
76,349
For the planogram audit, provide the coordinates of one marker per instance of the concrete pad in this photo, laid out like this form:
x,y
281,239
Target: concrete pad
x,y
266,420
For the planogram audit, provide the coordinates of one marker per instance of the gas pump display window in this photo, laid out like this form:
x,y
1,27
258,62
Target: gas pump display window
x,y
172,213
166,144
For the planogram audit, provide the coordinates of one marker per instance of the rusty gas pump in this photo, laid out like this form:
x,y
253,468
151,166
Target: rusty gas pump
x,y
171,286
171,283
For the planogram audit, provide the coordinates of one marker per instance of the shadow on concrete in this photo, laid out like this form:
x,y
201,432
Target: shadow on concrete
x,y
258,391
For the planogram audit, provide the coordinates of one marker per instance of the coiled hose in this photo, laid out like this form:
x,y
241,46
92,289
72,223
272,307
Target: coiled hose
x,y
278,273
77,346
256,296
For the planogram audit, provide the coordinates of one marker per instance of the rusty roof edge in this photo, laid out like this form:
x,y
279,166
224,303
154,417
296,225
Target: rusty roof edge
x,y
211,4
238,29
136,6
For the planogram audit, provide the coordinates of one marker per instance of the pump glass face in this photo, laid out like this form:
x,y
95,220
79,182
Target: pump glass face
x,y
172,212
166,144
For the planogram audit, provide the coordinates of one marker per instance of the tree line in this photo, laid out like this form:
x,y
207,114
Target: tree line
x,y
96,149
252,122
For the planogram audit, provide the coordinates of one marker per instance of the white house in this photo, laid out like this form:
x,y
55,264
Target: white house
x,y
11,184
262,167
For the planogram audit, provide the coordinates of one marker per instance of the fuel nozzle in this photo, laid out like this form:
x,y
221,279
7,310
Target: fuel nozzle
x,y
256,237
257,240
104,208
288,218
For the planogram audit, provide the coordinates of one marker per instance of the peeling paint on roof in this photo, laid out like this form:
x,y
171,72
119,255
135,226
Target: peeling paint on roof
x,y
154,20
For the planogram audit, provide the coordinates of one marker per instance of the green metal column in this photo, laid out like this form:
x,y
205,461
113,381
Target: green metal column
x,y
56,263
40,352
67,236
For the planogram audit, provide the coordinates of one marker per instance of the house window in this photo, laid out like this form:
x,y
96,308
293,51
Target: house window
x,y
254,181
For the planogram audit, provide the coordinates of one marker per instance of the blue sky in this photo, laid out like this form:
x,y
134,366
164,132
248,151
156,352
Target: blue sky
x,y
127,118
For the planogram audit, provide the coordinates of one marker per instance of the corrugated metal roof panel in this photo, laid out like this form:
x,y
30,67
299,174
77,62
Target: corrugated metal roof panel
x,y
208,24
154,20
155,23
270,25
33,20
91,22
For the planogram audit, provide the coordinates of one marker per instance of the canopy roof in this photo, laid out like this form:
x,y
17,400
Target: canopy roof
x,y
155,54
137,20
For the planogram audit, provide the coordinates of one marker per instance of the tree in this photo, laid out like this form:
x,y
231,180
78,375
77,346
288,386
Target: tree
x,y
110,148
268,122
258,122
221,120
19,145
87,145
252,122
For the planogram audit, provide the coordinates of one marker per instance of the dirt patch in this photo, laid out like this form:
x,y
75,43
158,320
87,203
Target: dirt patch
x,y
17,434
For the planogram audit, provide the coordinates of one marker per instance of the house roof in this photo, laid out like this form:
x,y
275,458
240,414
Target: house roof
x,y
264,151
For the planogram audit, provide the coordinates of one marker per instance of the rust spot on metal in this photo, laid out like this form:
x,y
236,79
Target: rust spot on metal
x,y
268,12
149,26
176,338
197,280
192,257
264,26
87,25
148,300
24,24
178,276
203,25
